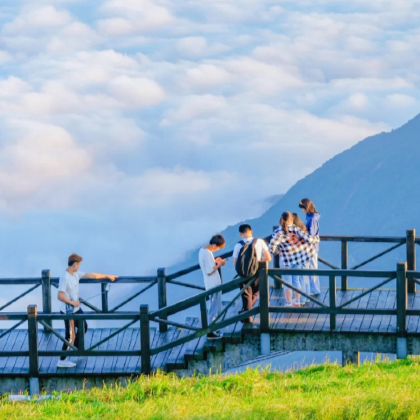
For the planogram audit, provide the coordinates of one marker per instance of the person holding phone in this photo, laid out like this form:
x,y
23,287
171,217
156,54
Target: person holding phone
x,y
68,295
211,275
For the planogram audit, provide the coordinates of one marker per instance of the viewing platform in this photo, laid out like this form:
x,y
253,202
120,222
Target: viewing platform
x,y
380,318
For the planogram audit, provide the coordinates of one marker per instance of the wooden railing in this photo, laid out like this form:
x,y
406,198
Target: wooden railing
x,y
143,318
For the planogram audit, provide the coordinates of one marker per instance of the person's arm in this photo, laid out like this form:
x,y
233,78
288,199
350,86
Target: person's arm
x,y
278,238
313,226
266,256
97,276
62,297
221,262
306,237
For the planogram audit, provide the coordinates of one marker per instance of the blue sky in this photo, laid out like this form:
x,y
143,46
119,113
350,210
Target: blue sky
x,y
131,130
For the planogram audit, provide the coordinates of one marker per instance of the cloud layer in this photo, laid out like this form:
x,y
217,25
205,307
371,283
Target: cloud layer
x,y
181,117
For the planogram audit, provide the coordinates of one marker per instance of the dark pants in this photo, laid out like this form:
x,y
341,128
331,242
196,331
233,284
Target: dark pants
x,y
69,332
250,294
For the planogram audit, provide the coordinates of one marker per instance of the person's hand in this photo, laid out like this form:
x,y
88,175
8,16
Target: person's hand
x,y
222,262
112,278
217,260
76,303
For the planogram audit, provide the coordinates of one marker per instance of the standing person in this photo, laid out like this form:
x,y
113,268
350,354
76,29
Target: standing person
x,y
68,295
210,268
312,225
305,279
296,248
250,294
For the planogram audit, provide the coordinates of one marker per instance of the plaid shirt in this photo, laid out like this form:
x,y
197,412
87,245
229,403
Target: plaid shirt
x,y
295,246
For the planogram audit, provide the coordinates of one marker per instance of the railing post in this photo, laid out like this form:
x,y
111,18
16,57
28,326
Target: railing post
x,y
203,312
162,297
33,341
401,310
264,307
46,296
276,264
344,264
104,290
333,302
145,339
81,334
411,257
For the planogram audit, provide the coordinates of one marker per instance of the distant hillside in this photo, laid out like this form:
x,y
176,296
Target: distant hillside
x,y
369,189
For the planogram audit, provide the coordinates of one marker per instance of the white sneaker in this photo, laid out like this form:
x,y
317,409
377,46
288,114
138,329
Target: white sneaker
x,y
65,364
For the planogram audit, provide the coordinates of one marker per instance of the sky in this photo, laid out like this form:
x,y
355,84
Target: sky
x,y
132,130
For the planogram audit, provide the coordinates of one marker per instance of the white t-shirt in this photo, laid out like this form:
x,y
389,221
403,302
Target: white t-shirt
x,y
69,284
260,247
207,263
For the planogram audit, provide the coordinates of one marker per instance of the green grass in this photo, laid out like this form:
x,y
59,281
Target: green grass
x,y
384,390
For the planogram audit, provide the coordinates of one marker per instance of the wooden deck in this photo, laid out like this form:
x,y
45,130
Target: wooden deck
x,y
177,358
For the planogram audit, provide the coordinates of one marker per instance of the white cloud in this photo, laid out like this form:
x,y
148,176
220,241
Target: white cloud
x,y
196,106
207,75
37,19
136,92
132,16
197,46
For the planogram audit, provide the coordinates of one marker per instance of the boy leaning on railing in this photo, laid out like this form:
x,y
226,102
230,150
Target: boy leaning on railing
x,y
68,295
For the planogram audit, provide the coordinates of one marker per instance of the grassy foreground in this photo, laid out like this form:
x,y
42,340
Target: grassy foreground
x,y
386,390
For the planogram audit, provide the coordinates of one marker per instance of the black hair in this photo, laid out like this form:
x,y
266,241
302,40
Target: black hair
x,y
244,228
217,240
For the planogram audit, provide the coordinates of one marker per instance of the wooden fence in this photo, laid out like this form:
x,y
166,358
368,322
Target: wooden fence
x,y
405,279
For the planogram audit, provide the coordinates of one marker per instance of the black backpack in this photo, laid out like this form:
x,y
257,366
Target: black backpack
x,y
247,262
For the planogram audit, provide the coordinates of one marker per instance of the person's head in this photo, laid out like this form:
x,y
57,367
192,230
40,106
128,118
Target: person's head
x,y
245,231
74,261
307,206
217,242
286,219
297,221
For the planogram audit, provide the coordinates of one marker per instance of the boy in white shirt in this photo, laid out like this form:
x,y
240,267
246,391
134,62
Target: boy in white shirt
x,y
210,268
250,295
68,295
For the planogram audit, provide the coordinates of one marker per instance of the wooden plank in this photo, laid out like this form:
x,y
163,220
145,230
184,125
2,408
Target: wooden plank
x,y
12,336
392,327
46,361
131,363
111,363
367,320
54,360
96,337
322,318
227,332
174,355
377,319
416,319
276,300
125,344
82,361
160,357
100,360
42,342
358,319
191,345
341,298
389,304
109,360
412,321
160,340
16,346
348,319
19,364
153,334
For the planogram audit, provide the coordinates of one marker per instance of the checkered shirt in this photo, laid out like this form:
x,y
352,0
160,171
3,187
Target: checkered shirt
x,y
295,247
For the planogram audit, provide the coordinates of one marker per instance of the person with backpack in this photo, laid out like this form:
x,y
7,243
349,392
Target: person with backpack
x,y
246,256
296,248
211,275
312,226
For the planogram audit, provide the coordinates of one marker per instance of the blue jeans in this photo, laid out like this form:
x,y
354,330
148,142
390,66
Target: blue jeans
x,y
295,280
315,286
